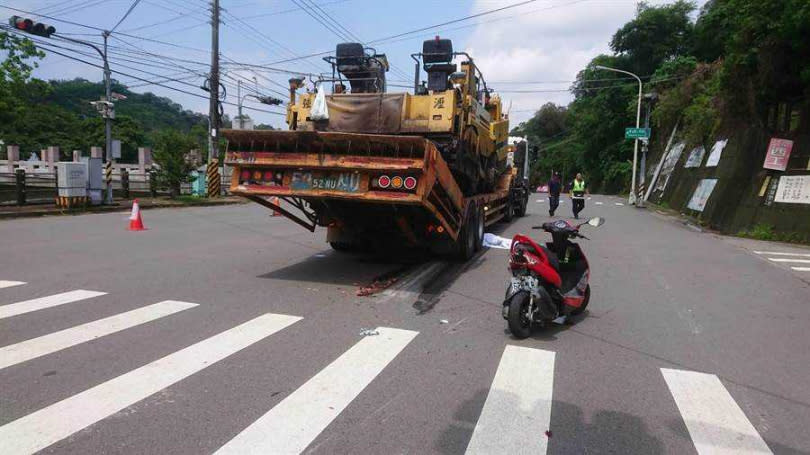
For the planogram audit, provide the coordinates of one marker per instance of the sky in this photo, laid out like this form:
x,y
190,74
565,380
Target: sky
x,y
539,46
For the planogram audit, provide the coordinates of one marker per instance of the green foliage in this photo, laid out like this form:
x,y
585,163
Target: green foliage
x,y
765,231
170,150
656,35
19,52
760,232
36,114
695,101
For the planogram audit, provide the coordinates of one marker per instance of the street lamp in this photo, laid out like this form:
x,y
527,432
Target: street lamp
x,y
632,199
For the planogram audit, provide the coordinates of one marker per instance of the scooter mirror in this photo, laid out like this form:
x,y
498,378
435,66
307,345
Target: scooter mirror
x,y
596,221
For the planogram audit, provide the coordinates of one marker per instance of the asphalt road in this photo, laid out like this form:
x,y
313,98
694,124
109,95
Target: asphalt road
x,y
224,330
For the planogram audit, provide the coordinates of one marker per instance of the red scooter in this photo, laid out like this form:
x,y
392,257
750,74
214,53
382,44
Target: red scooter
x,y
548,282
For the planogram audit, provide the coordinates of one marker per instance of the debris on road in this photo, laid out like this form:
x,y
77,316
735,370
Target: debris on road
x,y
376,286
443,321
369,332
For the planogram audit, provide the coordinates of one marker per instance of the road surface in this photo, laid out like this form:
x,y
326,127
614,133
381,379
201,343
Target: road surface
x,y
224,330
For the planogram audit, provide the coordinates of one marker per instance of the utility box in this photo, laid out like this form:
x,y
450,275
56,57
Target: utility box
x,y
72,179
95,183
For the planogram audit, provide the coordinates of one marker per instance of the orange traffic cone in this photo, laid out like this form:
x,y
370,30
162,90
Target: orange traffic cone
x,y
277,202
135,221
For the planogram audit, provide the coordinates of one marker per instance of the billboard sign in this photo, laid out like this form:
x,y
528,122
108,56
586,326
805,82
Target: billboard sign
x,y
778,154
793,189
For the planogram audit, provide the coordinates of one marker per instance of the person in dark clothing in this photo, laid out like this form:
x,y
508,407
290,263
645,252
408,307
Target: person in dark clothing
x,y
578,191
554,188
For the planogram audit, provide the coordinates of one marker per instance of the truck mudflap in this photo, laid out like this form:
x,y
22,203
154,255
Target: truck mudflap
x,y
307,167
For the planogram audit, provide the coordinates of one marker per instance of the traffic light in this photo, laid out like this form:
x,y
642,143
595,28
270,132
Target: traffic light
x,y
29,26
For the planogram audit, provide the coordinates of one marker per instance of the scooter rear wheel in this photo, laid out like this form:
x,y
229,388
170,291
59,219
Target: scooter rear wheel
x,y
519,324
585,301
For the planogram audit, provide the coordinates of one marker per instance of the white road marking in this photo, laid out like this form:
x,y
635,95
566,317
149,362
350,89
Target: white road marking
x,y
8,284
619,203
539,201
49,425
782,253
517,410
715,422
799,261
295,422
801,269
598,203
14,309
47,344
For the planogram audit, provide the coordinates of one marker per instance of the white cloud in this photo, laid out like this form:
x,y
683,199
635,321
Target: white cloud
x,y
545,41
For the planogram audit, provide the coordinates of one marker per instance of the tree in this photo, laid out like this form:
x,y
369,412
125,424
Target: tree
x,y
20,56
550,121
171,148
656,35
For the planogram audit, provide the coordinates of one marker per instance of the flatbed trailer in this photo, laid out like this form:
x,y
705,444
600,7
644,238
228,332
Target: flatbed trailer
x,y
368,189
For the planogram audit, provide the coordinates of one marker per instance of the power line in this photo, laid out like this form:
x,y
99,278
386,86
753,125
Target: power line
x,y
472,16
129,11
153,82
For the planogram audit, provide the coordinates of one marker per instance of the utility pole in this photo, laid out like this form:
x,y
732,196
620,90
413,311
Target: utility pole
x,y
213,89
108,121
239,97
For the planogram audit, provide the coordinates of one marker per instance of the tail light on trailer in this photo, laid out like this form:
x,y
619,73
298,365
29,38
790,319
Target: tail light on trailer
x,y
394,182
264,177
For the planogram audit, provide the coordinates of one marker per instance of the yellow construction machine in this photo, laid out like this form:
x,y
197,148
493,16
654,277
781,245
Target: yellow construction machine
x,y
454,108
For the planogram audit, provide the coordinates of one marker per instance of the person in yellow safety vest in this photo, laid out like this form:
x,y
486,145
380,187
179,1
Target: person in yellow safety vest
x,y
578,191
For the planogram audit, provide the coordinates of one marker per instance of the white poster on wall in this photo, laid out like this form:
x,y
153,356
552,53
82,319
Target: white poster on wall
x,y
717,151
695,157
793,189
701,195
669,165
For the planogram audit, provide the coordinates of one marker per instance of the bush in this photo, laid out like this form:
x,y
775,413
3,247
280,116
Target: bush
x,y
170,153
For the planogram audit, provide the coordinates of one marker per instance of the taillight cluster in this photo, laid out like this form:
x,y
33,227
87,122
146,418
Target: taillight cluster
x,y
267,177
394,182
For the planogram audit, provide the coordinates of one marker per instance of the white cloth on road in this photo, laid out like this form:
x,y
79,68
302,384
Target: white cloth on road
x,y
493,241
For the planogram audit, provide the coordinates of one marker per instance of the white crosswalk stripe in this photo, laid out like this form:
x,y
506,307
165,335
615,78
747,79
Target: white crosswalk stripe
x,y
798,261
519,400
47,344
782,253
14,309
8,284
715,422
295,422
788,257
49,425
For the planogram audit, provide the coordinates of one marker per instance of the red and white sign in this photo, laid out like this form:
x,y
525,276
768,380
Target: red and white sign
x,y
778,154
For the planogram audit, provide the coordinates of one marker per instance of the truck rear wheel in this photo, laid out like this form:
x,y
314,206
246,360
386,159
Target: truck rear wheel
x,y
465,245
479,228
520,209
508,211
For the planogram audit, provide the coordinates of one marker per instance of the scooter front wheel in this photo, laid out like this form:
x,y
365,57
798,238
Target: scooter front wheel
x,y
519,323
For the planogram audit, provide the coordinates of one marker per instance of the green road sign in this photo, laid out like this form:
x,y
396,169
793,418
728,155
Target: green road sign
x,y
637,133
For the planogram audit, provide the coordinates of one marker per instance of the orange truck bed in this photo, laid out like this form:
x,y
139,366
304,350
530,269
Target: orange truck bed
x,y
313,166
